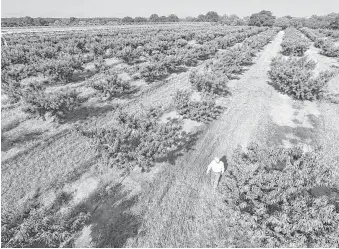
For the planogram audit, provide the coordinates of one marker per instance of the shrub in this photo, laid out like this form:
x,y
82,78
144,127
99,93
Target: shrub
x,y
100,66
271,193
129,54
12,89
293,43
135,140
295,77
205,111
61,69
152,71
319,42
38,102
109,84
231,62
38,226
209,83
329,49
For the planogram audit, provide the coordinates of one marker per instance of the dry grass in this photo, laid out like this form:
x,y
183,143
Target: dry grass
x,y
179,208
176,206
38,154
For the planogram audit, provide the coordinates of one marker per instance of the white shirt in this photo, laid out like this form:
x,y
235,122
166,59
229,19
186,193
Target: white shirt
x,y
216,167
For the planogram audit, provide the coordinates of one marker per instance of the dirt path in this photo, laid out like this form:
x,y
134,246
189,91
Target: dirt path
x,y
180,210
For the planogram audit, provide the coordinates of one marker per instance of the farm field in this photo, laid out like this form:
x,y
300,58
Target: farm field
x,y
106,134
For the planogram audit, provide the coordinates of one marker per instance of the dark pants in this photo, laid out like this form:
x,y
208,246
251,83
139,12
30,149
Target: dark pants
x,y
215,177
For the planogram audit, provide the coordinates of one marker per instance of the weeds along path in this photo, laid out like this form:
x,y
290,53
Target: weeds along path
x,y
179,209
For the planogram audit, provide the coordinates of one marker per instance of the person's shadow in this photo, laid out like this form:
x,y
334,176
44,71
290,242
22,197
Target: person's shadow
x,y
224,160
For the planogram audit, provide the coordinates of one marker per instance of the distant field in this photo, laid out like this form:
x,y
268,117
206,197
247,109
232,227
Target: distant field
x,y
34,29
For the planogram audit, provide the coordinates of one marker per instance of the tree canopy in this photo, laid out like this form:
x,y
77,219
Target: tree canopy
x,y
212,16
263,18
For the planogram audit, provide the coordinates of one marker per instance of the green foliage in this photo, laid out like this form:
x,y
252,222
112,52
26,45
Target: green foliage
x,y
12,89
263,18
328,48
282,22
37,226
129,54
211,16
11,78
109,84
335,24
38,102
295,77
135,140
272,195
152,71
231,62
100,65
293,43
61,69
319,42
209,83
204,111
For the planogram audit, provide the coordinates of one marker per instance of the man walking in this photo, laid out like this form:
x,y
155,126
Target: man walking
x,y
217,168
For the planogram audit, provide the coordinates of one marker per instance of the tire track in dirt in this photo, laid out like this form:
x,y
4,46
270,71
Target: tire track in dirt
x,y
190,214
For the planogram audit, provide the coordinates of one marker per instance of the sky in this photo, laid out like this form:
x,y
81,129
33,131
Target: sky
x,y
182,8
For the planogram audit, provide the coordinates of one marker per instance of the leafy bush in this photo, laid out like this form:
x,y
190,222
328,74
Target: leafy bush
x,y
12,89
42,228
152,71
319,42
100,66
38,102
209,83
129,54
11,78
135,140
37,226
273,200
18,72
109,84
293,43
328,48
205,111
61,69
296,78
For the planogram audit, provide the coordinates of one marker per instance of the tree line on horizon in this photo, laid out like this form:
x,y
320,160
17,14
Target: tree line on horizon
x,y
262,18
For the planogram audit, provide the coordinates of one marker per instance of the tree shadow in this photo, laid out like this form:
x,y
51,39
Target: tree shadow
x,y
302,135
112,221
75,174
188,142
82,76
43,142
129,94
87,112
8,143
276,87
179,69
